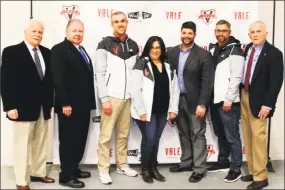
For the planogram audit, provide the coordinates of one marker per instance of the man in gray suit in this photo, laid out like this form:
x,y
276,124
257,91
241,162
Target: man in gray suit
x,y
195,79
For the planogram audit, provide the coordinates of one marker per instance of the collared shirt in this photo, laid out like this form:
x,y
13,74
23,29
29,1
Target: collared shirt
x,y
183,55
30,48
77,47
255,58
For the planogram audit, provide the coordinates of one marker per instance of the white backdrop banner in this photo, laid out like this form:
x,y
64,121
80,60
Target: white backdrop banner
x,y
146,18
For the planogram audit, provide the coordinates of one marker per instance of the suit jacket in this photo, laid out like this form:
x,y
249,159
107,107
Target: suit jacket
x,y
266,80
21,86
73,80
198,75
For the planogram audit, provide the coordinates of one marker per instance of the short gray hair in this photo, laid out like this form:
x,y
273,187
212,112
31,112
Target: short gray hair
x,y
258,22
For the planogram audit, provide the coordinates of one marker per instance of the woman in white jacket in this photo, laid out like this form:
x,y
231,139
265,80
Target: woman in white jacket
x,y
155,97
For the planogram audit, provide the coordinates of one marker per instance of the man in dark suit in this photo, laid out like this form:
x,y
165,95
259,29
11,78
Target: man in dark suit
x,y
195,79
262,81
27,96
72,73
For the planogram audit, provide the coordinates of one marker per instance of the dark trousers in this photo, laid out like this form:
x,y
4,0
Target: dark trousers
x,y
192,138
226,128
73,131
151,133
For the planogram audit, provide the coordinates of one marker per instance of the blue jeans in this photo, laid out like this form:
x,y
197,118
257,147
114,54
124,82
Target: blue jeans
x,y
226,128
151,133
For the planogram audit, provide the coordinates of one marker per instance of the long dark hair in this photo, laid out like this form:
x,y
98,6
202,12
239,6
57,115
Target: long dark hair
x,y
148,47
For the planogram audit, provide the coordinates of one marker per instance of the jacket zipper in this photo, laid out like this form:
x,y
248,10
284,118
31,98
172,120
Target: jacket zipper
x,y
123,47
127,45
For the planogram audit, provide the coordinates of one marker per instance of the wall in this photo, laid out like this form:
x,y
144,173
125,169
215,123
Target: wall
x,y
13,19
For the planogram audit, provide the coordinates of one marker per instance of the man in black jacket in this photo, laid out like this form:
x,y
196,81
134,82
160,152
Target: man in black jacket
x,y
27,96
262,81
195,79
74,98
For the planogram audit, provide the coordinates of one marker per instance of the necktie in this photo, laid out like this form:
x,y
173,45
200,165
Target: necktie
x,y
38,63
248,69
84,56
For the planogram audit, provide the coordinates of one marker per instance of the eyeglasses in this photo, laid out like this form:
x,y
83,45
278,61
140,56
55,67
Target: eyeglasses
x,y
221,31
155,48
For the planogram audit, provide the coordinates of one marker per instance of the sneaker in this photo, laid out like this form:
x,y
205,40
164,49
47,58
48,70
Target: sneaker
x,y
232,176
105,178
127,171
219,167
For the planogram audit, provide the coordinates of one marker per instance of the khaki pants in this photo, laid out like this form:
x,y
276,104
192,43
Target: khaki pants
x,y
255,140
30,138
120,118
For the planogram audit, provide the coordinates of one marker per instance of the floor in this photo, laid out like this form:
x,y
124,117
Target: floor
x,y
174,181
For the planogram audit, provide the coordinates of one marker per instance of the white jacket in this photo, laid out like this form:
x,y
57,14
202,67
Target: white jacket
x,y
142,89
228,72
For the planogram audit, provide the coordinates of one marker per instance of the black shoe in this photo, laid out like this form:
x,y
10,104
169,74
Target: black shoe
x,y
258,184
247,178
82,174
219,167
146,175
45,179
232,176
178,168
74,183
156,175
195,177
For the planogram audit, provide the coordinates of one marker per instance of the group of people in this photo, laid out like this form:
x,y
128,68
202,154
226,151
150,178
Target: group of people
x,y
180,83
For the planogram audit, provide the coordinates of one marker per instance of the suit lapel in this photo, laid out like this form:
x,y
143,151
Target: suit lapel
x,y
176,52
30,59
260,61
76,53
190,56
27,54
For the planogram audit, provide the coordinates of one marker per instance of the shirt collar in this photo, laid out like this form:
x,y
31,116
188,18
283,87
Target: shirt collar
x,y
30,47
187,50
259,47
77,46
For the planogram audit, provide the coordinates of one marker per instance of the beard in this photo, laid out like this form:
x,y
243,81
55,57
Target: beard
x,y
221,39
187,41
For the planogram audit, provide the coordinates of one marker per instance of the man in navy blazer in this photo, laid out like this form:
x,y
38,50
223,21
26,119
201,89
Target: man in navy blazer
x,y
27,95
261,84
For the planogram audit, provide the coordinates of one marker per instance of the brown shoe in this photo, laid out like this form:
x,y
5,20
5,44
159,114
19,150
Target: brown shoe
x,y
42,179
23,187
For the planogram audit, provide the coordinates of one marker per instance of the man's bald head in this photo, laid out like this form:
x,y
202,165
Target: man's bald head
x,y
257,32
34,32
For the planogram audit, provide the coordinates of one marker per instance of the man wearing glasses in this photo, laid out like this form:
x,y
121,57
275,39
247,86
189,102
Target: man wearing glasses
x,y
228,59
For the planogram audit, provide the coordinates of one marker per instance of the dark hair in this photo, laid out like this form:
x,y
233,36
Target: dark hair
x,y
220,22
148,47
190,25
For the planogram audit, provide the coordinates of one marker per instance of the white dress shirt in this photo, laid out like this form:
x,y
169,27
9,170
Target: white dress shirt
x,y
30,48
